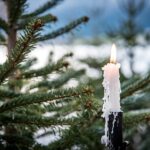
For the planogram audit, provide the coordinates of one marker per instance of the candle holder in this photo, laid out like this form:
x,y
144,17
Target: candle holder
x,y
115,136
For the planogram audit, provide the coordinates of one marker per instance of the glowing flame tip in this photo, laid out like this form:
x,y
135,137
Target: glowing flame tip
x,y
113,54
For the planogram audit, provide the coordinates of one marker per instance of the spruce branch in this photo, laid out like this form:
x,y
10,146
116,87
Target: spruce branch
x,y
42,9
33,109
64,107
28,64
23,46
60,80
28,99
68,108
93,63
146,89
45,134
45,70
21,139
79,128
33,120
132,118
135,86
2,39
3,25
16,8
8,94
64,30
45,19
137,101
129,82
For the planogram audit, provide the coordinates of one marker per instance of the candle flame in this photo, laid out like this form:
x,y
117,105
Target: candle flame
x,y
113,54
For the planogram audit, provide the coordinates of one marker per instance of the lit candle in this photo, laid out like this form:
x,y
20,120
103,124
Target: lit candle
x,y
112,91
111,84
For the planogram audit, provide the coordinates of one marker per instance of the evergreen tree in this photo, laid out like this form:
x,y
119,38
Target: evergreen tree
x,y
22,114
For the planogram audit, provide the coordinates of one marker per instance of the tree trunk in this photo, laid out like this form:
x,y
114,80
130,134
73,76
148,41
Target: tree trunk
x,y
12,36
12,32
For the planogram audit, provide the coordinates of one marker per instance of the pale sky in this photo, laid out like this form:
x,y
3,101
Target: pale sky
x,y
104,15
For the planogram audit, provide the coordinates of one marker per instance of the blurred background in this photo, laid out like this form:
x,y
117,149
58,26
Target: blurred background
x,y
125,23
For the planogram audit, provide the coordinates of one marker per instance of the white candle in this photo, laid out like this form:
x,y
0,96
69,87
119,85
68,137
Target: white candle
x,y
112,90
111,84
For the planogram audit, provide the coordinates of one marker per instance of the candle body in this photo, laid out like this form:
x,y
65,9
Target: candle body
x,y
112,88
111,98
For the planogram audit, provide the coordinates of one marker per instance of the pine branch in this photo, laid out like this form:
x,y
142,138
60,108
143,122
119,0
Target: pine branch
x,y
23,46
28,99
42,8
2,39
38,146
146,89
8,94
93,63
28,64
45,134
67,109
15,10
45,19
136,99
132,118
78,129
33,120
3,25
60,106
33,109
45,70
67,106
130,81
135,86
64,30
21,139
60,80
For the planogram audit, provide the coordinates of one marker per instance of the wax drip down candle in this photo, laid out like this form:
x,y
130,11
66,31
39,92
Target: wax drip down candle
x,y
111,84
111,107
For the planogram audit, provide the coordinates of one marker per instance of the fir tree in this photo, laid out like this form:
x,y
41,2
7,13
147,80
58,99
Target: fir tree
x,y
22,114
